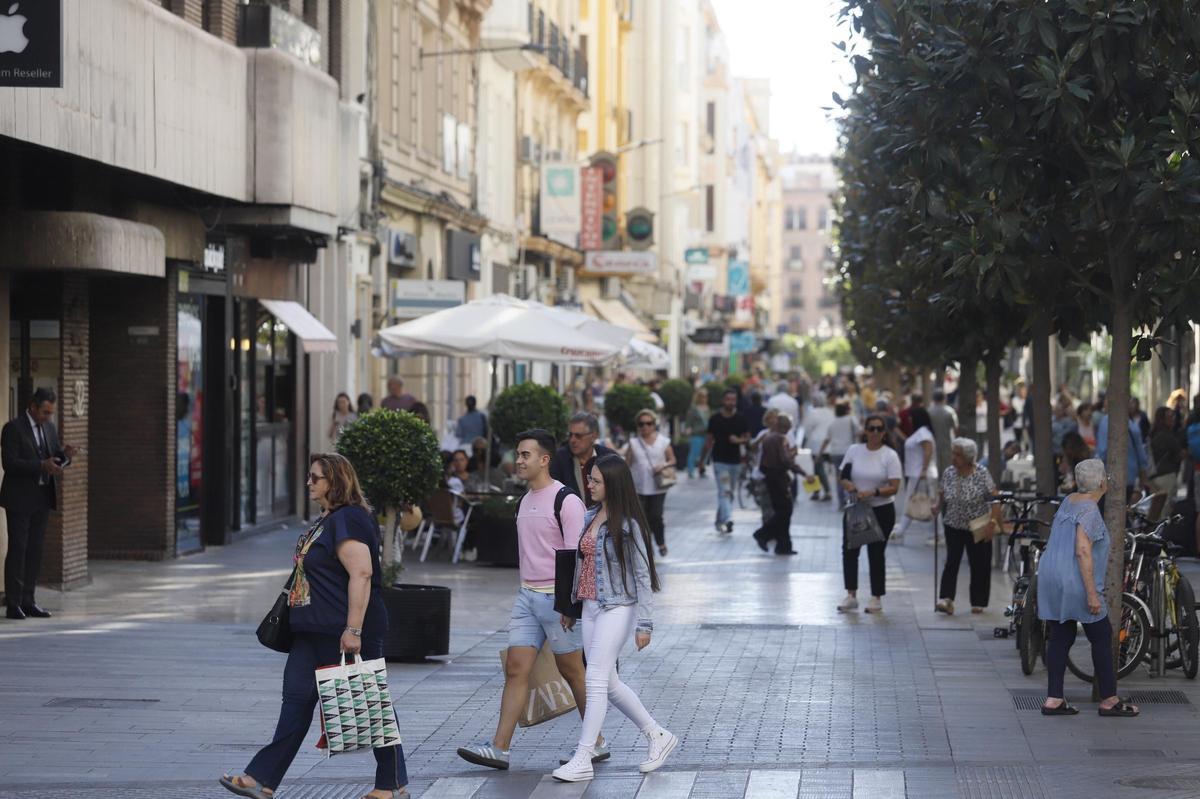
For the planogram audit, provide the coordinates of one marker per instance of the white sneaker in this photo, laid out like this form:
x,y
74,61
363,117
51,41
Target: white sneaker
x,y
662,743
848,604
897,538
577,769
874,606
945,606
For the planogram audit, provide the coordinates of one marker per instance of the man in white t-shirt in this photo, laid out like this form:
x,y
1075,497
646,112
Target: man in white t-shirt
x,y
784,402
817,420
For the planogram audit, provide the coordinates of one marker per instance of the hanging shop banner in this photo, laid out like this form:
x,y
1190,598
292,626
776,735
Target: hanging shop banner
x,y
742,341
616,262
739,278
591,206
413,298
559,206
743,313
702,273
695,255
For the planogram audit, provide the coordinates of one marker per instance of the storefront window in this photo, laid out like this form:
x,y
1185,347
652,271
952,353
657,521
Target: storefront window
x,y
189,423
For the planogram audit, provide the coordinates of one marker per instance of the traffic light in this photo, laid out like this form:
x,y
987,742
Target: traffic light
x,y
610,229
639,228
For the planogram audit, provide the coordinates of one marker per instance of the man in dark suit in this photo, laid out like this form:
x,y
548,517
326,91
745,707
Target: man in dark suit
x,y
571,462
33,461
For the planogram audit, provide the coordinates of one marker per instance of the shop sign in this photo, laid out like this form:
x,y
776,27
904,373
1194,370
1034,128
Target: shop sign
x,y
695,256
702,273
744,311
413,298
616,262
31,43
591,206
559,206
742,341
709,350
402,247
463,254
739,278
214,258
708,335
723,303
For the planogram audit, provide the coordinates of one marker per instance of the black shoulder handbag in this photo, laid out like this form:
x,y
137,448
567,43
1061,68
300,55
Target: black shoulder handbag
x,y
564,583
275,631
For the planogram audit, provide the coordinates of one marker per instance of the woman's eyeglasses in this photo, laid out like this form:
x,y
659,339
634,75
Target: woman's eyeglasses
x,y
646,424
874,429
314,478
592,480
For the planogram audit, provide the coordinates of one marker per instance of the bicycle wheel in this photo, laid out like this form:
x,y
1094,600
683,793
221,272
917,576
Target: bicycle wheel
x,y
1029,634
1133,642
741,489
1187,628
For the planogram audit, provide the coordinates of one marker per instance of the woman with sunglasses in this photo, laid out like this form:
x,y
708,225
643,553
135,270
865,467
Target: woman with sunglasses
x,y
649,456
336,606
615,579
871,473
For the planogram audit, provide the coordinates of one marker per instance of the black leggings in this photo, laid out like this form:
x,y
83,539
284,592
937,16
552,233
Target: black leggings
x,y
886,514
1099,635
652,506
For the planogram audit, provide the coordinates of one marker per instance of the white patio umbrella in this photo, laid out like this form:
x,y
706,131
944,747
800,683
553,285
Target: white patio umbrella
x,y
500,327
642,354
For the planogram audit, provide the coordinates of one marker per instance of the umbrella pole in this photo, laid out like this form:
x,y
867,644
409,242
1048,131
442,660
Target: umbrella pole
x,y
487,465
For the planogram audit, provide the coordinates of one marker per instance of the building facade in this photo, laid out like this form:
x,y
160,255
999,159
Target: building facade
x,y
808,305
158,282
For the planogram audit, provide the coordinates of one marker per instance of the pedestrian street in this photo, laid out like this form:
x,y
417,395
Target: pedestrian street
x,y
148,684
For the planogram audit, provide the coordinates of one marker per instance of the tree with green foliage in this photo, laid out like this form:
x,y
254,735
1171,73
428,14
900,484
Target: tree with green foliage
x,y
622,403
398,463
527,406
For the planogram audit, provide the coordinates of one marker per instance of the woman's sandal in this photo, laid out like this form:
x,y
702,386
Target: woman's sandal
x,y
1062,710
1121,708
255,791
397,793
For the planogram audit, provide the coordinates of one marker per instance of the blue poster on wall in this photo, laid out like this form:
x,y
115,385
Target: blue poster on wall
x,y
739,278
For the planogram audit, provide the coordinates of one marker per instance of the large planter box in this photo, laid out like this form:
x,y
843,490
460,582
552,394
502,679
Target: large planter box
x,y
682,449
496,542
418,622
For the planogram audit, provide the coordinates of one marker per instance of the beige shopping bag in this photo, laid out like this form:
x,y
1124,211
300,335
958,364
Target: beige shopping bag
x,y
549,694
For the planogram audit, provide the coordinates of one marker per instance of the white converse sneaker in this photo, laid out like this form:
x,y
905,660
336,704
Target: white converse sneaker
x,y
848,604
874,606
577,769
662,743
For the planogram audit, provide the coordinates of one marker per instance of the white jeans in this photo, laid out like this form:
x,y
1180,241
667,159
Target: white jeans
x,y
604,633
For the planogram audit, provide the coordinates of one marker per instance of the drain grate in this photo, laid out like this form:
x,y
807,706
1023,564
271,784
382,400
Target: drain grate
x,y
1189,784
749,626
1024,699
1126,753
97,702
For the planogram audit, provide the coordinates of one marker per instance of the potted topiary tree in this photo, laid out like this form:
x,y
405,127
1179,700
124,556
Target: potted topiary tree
x,y
622,403
517,408
396,456
716,390
677,400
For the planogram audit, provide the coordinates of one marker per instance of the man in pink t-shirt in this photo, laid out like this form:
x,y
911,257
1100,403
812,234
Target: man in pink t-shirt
x,y
534,620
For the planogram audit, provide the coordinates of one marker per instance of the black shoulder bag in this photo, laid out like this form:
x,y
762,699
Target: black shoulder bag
x,y
275,631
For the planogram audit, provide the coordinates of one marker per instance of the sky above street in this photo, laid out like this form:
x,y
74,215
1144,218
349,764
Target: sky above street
x,y
790,42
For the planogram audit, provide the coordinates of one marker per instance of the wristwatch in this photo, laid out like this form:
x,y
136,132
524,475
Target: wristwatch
x,y
355,631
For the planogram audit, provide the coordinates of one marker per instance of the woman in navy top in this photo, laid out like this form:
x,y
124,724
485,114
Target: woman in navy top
x,y
336,605
1070,590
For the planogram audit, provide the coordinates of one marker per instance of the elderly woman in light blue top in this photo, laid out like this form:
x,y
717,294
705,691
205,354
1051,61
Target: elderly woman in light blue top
x,y
1070,590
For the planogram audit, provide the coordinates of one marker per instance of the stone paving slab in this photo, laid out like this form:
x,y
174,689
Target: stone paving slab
x,y
149,683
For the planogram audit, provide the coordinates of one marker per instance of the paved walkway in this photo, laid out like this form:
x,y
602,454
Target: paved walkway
x,y
149,683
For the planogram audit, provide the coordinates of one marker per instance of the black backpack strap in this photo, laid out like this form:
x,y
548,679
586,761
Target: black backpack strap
x,y
559,499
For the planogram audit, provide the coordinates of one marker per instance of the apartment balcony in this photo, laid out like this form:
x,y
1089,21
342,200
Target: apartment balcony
x,y
512,24
561,68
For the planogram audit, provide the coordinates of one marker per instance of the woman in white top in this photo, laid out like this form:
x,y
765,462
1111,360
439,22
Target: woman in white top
x,y
871,473
343,417
842,433
648,454
920,465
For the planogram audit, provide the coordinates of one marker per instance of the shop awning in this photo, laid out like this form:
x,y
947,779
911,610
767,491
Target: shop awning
x,y
615,313
313,335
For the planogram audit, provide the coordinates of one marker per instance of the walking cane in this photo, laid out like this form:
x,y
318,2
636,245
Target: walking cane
x,y
936,523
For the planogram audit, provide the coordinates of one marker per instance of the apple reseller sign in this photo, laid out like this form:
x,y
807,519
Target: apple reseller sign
x,y
31,43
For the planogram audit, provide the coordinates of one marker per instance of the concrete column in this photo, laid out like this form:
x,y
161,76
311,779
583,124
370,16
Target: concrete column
x,y
5,388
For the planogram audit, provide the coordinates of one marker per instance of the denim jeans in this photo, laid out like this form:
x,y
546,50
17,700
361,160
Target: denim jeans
x,y
726,476
695,449
309,652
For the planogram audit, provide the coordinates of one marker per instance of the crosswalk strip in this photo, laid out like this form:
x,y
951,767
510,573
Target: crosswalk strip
x,y
667,785
773,785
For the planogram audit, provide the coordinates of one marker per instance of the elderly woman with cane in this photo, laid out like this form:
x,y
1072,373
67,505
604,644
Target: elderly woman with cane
x,y
1070,587
966,491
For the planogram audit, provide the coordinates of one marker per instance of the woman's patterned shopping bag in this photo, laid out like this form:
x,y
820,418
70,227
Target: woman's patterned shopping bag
x,y
356,706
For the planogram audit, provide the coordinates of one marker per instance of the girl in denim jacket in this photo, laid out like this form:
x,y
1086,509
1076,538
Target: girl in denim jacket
x,y
615,578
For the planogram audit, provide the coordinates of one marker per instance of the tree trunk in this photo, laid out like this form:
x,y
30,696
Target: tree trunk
x,y
391,527
967,385
995,452
1039,395
1117,405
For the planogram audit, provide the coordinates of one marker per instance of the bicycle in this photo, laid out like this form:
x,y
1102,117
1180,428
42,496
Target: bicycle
x,y
1021,558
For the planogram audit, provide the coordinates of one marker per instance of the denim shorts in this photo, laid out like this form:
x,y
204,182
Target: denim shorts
x,y
535,621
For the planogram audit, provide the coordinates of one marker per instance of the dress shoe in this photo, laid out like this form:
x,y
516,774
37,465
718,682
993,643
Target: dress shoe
x,y
14,612
35,611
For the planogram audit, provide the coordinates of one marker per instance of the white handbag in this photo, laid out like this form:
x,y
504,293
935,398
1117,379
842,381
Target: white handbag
x,y
356,706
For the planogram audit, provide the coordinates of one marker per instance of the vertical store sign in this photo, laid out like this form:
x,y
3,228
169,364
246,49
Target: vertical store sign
x,y
739,278
560,203
31,43
591,206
